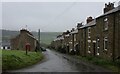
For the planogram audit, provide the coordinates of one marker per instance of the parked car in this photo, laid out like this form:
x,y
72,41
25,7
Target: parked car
x,y
43,48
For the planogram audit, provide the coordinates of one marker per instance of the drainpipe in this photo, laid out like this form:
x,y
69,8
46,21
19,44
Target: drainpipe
x,y
85,42
39,37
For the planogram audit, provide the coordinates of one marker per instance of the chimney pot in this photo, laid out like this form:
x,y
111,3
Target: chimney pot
x,y
108,7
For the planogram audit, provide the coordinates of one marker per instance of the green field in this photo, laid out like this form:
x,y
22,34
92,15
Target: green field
x,y
47,37
15,59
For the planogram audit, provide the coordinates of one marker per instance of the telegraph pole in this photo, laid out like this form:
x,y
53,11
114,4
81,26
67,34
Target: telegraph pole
x,y
39,37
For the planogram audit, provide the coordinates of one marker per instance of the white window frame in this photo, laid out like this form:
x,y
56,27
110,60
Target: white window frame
x,y
106,19
89,29
89,49
98,48
105,46
70,42
89,32
98,53
74,37
1,47
6,47
89,41
106,23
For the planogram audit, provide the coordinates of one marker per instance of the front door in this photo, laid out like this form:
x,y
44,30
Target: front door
x,y
94,49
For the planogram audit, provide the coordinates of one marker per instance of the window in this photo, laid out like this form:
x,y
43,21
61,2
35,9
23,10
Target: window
x,y
74,37
89,41
89,49
1,47
89,29
98,47
70,42
105,43
105,23
89,32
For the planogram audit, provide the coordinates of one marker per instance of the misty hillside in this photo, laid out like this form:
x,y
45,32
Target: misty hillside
x,y
46,37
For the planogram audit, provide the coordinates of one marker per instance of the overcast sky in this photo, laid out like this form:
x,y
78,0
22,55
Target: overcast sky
x,y
48,16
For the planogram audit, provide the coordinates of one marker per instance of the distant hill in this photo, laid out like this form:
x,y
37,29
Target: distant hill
x,y
46,37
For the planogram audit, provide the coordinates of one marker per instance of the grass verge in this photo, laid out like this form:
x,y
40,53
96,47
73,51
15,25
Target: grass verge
x,y
15,59
114,66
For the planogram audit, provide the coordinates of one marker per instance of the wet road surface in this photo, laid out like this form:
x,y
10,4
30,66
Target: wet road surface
x,y
53,62
57,62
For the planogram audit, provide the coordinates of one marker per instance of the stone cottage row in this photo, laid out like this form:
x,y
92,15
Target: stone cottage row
x,y
98,37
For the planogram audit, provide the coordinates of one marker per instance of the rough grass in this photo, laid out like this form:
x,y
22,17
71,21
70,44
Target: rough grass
x,y
14,59
0,60
114,66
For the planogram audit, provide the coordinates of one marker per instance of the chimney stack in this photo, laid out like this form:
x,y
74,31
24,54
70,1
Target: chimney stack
x,y
108,7
89,19
79,25
72,30
67,32
23,31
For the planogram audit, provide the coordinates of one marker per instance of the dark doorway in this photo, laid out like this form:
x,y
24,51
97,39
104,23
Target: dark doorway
x,y
77,49
67,49
3,47
94,52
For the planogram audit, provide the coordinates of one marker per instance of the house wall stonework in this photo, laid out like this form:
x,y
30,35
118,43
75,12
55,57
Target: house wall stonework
x,y
19,42
111,33
117,34
82,41
91,40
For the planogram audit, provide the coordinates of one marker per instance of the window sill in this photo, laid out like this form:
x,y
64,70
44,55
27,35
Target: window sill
x,y
105,49
105,30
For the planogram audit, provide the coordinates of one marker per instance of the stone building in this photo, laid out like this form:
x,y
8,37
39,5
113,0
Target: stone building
x,y
108,32
58,42
20,41
91,38
73,42
99,37
66,41
5,44
82,40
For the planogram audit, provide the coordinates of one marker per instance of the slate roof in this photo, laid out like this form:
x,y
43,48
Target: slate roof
x,y
31,36
74,32
59,38
92,23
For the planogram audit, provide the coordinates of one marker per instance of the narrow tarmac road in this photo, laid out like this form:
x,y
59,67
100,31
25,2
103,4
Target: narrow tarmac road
x,y
57,62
